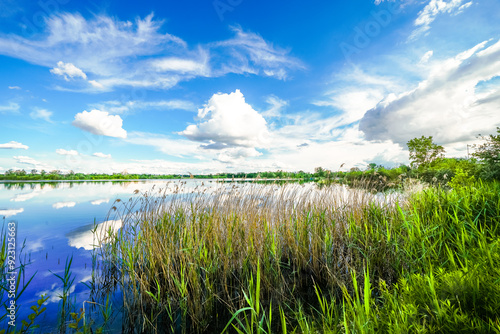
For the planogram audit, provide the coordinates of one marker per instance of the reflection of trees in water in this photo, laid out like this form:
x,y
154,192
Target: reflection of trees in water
x,y
61,184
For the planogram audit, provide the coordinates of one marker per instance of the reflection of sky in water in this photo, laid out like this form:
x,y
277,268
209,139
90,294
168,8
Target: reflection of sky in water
x,y
55,221
89,236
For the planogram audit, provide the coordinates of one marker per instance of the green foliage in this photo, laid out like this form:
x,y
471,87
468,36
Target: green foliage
x,y
29,325
37,311
489,156
66,306
423,152
461,179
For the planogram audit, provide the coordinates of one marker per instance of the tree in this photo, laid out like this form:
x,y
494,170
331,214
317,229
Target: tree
x,y
423,152
489,156
319,172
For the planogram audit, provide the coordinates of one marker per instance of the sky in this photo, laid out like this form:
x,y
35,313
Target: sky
x,y
216,86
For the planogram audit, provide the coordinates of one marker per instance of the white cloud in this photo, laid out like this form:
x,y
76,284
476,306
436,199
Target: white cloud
x,y
12,107
25,197
465,6
100,123
276,106
425,58
140,54
100,201
350,149
447,105
14,87
353,103
61,151
68,70
102,155
55,293
87,239
180,65
432,10
60,205
10,212
44,114
117,107
229,155
181,148
354,92
96,84
32,162
13,145
228,121
250,53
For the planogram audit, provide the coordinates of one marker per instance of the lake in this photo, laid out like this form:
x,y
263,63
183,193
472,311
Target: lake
x,y
54,220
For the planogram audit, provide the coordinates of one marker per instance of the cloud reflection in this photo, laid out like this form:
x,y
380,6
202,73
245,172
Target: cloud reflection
x,y
100,201
10,212
87,238
60,205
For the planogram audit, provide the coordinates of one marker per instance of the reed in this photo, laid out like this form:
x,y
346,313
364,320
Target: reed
x,y
282,258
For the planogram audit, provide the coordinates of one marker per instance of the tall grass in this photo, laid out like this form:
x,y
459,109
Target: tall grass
x,y
300,258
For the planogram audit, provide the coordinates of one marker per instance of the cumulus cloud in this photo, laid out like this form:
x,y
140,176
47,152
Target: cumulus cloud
x,y
61,151
100,123
228,121
448,105
13,145
44,114
14,87
102,155
432,10
68,70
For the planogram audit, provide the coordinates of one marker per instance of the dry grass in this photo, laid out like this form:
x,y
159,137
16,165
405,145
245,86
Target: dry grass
x,y
189,254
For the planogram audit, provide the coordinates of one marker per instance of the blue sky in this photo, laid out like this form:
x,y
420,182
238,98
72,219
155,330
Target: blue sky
x,y
239,85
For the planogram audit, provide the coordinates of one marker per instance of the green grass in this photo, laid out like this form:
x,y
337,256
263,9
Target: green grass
x,y
301,259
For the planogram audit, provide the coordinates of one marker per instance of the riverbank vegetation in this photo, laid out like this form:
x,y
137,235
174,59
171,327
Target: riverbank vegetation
x,y
336,256
427,163
307,260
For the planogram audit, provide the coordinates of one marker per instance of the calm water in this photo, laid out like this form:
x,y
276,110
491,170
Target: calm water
x,y
55,221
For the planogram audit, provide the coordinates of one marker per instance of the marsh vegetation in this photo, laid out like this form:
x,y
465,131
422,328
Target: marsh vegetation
x,y
304,258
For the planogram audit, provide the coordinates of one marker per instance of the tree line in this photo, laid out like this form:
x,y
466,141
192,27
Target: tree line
x,y
427,162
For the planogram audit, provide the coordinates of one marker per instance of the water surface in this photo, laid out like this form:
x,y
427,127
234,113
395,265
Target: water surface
x,y
54,220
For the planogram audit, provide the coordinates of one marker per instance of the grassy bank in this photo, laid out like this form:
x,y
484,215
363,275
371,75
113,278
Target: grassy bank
x,y
304,259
